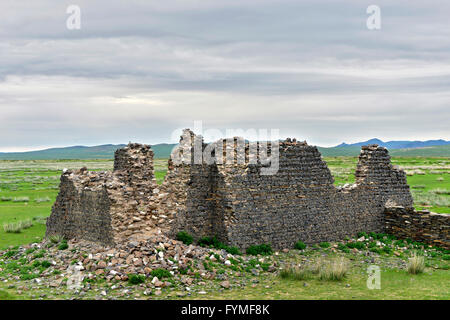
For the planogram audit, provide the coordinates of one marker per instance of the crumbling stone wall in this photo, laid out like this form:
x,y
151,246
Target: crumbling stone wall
x,y
242,207
429,227
107,207
231,200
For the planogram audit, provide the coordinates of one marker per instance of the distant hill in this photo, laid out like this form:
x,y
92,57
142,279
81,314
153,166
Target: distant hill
x,y
163,150
397,144
348,151
106,151
434,151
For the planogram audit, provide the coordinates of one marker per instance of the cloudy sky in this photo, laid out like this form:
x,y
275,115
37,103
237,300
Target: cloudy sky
x,y
139,69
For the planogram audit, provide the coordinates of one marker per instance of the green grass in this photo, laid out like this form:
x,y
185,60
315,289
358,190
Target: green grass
x,y
395,284
6,296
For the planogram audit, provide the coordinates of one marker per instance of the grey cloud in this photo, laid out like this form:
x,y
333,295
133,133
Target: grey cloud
x,y
139,69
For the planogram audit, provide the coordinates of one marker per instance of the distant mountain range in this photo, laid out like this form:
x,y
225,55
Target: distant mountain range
x,y
106,151
430,148
398,144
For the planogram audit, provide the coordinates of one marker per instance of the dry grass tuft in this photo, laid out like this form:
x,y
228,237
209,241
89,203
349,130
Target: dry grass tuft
x,y
416,264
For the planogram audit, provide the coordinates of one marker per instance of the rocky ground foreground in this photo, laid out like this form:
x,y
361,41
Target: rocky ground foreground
x,y
163,268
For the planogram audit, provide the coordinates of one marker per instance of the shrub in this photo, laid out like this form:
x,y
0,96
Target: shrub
x,y
335,270
399,243
356,245
25,224
21,199
343,248
17,227
45,264
296,274
213,242
29,276
30,250
387,249
161,273
324,244
233,250
13,227
56,238
63,245
300,245
185,237
40,219
208,242
136,279
38,255
416,264
262,249
363,234
43,199
11,253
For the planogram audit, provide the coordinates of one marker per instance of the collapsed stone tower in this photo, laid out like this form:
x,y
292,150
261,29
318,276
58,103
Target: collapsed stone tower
x,y
107,207
231,200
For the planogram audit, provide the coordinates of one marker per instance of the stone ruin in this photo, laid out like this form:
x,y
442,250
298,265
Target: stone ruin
x,y
230,200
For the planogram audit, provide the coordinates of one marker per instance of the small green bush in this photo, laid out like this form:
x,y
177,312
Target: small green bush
x,y
300,245
38,255
30,250
136,279
363,234
213,242
11,253
387,249
262,249
356,245
185,237
63,245
161,273
45,264
233,250
324,244
343,248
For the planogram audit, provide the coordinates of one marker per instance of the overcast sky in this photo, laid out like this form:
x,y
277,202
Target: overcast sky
x,y
137,70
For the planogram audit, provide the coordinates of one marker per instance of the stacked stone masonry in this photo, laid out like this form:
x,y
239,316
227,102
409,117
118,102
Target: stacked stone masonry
x,y
425,226
230,200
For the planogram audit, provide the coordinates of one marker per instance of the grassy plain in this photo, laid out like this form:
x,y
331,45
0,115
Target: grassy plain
x,y
29,188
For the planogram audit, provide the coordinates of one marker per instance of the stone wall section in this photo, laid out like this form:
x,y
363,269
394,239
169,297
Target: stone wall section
x,y
108,207
242,207
429,227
